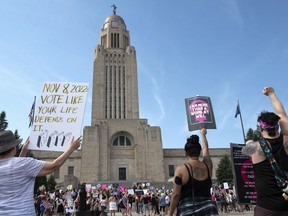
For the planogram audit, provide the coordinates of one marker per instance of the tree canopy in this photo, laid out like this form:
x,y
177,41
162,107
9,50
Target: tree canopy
x,y
251,135
51,183
224,170
3,121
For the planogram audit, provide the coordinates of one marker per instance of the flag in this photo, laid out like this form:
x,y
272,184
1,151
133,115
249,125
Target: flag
x,y
31,114
237,111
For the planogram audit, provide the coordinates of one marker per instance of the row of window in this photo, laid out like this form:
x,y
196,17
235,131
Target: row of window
x,y
115,92
115,55
121,141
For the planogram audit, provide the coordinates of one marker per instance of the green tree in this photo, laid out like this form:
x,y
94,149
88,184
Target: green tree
x,y
39,181
3,121
51,183
16,134
19,147
250,135
224,170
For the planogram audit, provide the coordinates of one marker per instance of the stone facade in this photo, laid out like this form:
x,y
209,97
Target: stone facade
x,y
118,146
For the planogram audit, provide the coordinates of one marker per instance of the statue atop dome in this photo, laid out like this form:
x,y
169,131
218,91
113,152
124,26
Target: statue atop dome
x,y
114,8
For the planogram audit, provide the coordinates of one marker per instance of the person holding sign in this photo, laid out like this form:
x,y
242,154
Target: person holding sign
x,y
192,181
18,175
270,197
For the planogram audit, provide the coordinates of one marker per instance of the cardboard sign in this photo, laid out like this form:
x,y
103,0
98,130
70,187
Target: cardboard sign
x,y
58,116
243,174
199,113
131,191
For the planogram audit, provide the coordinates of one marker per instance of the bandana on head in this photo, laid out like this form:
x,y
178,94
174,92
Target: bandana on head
x,y
266,126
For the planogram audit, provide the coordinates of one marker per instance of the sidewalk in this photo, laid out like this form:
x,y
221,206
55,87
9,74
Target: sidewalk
x,y
247,213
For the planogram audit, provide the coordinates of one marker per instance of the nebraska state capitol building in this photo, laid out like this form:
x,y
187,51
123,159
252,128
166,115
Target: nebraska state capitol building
x,y
119,146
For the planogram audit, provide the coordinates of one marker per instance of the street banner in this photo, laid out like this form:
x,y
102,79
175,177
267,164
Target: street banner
x,y
243,174
58,115
199,113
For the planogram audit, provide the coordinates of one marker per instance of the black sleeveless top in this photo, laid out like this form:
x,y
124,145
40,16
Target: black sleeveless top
x,y
201,188
269,195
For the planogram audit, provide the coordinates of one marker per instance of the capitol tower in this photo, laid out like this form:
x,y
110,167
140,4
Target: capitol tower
x,y
118,146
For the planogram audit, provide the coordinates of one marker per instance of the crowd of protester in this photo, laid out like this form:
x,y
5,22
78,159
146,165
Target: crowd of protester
x,y
128,201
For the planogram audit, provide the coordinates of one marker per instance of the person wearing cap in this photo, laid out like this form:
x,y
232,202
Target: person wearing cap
x,y
18,175
192,181
269,195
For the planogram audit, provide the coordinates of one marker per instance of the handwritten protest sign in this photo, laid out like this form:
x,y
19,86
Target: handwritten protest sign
x,y
58,115
199,113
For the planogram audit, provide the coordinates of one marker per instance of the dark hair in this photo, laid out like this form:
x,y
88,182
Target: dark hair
x,y
268,121
192,146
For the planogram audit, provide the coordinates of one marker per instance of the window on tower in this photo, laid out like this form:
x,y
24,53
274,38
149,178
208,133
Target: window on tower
x,y
114,24
122,141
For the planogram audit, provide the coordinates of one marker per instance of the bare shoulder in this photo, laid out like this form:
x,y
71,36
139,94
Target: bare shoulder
x,y
250,148
254,150
180,170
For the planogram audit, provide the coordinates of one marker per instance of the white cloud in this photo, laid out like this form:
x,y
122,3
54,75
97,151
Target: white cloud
x,y
13,81
160,104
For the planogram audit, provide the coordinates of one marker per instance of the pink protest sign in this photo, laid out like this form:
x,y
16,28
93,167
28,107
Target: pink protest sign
x,y
199,113
122,188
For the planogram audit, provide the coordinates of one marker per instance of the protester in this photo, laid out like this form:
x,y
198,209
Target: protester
x,y
155,204
162,204
192,181
18,175
59,207
269,194
167,200
112,205
146,204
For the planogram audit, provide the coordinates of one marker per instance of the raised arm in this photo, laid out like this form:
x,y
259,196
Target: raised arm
x,y
278,107
24,149
50,167
205,150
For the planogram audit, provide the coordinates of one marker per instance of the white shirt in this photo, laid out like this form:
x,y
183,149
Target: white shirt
x,y
167,200
17,178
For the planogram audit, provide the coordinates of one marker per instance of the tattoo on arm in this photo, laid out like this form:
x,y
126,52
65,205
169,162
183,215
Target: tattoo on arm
x,y
207,159
261,153
249,149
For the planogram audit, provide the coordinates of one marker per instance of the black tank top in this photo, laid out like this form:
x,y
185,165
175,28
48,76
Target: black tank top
x,y
269,195
201,188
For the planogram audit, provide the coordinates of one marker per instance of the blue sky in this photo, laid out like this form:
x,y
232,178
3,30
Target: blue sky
x,y
223,49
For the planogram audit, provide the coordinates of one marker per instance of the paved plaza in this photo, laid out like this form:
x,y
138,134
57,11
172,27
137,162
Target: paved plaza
x,y
246,213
